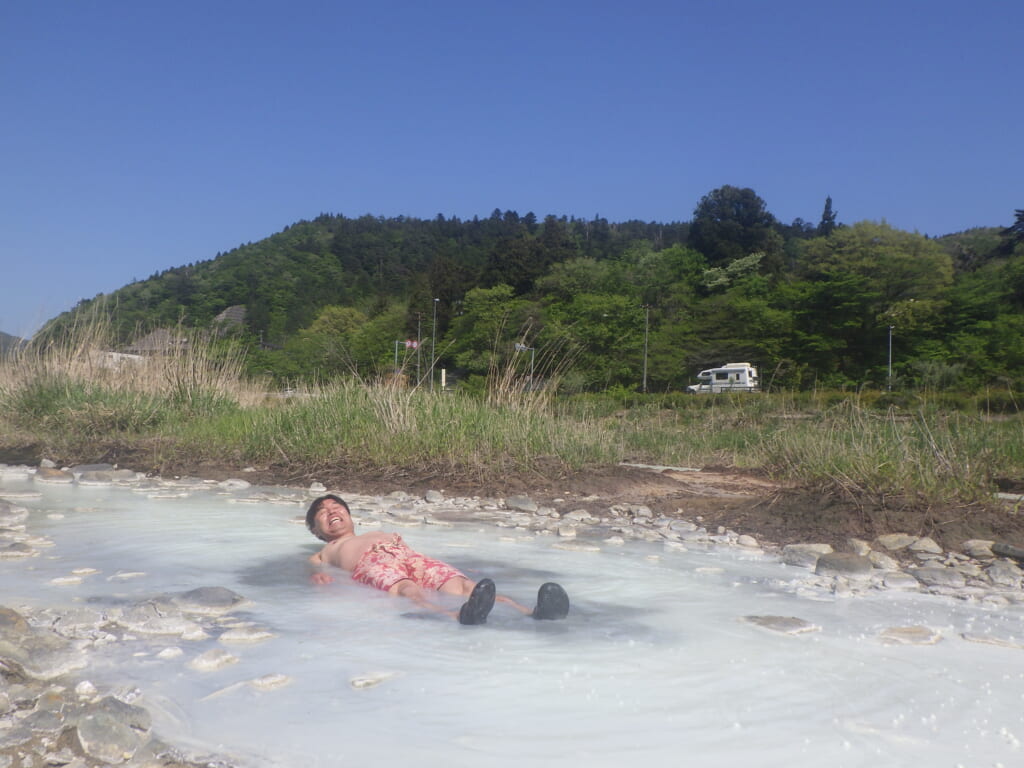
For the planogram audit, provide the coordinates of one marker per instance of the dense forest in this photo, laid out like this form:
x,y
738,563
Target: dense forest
x,y
607,305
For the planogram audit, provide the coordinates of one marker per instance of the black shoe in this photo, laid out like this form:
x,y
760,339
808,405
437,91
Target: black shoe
x,y
552,602
481,600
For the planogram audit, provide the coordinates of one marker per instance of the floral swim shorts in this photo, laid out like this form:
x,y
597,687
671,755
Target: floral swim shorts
x,y
388,562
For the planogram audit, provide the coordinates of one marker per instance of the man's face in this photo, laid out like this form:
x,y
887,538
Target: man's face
x,y
332,520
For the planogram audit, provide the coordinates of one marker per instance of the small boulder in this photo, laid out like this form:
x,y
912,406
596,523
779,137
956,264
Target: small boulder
x,y
894,542
938,576
804,555
980,549
843,564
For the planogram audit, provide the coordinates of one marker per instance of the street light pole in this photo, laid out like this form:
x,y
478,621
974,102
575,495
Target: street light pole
x,y
647,327
531,350
419,337
433,345
889,381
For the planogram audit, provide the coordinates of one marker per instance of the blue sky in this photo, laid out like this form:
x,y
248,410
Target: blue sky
x,y
140,136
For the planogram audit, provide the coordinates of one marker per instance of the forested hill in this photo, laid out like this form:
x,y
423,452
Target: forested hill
x,y
371,262
812,304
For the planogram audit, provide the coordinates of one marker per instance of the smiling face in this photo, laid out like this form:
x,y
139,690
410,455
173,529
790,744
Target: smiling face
x,y
330,519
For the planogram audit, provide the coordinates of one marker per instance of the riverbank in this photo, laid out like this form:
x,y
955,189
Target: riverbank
x,y
63,720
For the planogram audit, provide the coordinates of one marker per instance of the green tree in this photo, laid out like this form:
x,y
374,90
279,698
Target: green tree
x,y
857,282
492,320
730,223
828,219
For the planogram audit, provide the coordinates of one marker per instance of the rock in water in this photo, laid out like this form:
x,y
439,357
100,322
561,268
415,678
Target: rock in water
x,y
787,625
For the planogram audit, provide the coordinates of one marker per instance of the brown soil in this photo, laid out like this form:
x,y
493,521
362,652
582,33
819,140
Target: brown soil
x,y
741,501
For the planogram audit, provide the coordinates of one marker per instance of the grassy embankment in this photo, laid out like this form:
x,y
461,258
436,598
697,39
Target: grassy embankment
x,y
71,403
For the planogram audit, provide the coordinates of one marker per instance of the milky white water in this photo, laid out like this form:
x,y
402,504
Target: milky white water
x,y
653,667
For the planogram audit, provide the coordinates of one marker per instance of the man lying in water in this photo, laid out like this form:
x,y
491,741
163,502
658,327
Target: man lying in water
x,y
384,561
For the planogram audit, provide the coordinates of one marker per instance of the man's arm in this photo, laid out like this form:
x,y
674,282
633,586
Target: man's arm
x,y
320,574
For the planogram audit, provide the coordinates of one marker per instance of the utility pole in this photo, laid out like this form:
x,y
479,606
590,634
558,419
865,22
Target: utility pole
x,y
419,321
889,380
647,327
433,346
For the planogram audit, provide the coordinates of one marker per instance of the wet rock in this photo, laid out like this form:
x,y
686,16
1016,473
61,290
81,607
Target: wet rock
x,y
16,550
270,682
1003,642
79,469
938,576
53,475
804,555
433,497
234,484
209,601
747,542
12,514
38,654
111,731
245,635
579,516
370,680
96,478
576,546
787,625
682,526
893,542
153,618
915,635
211,660
843,564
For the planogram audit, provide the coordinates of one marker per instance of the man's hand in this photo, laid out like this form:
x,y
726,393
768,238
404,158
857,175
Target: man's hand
x,y
320,577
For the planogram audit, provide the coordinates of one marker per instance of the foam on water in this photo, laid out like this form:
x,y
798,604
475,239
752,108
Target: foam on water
x,y
655,663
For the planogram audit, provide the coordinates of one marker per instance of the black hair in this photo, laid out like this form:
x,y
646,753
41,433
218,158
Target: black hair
x,y
315,506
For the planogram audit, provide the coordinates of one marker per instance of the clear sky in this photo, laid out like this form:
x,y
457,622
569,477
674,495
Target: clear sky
x,y
138,136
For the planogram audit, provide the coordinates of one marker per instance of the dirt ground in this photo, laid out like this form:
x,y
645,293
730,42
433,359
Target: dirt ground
x,y
741,501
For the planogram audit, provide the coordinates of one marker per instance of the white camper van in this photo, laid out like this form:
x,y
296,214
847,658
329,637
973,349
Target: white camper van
x,y
731,377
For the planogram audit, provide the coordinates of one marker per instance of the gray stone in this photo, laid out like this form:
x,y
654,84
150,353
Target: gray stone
x,y
35,653
926,545
804,555
858,546
900,580
579,516
79,469
209,601
151,618
937,576
883,561
102,736
896,541
843,564
1003,573
522,503
433,497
